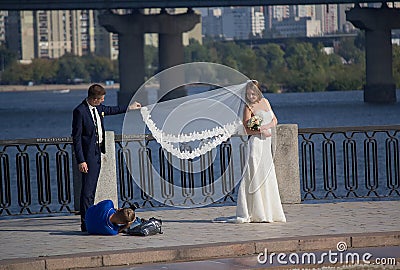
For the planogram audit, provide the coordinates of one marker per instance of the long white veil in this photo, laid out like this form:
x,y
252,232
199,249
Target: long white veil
x,y
189,126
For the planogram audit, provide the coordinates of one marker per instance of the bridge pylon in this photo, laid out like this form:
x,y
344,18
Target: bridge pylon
x,y
131,29
377,23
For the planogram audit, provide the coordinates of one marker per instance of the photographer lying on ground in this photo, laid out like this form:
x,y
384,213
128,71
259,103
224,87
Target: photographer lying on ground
x,y
104,219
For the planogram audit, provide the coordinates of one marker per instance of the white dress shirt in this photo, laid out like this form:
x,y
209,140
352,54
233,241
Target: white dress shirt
x,y
99,127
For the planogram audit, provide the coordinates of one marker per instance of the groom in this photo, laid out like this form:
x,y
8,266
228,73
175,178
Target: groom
x,y
88,141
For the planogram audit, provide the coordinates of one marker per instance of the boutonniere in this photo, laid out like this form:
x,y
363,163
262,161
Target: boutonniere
x,y
102,114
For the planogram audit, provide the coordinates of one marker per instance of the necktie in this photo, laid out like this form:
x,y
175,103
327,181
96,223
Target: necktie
x,y
95,125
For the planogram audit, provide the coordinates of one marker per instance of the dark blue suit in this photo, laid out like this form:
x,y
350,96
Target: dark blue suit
x,y
87,150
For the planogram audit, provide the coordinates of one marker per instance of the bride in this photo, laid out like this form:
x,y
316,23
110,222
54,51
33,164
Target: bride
x,y
213,117
258,195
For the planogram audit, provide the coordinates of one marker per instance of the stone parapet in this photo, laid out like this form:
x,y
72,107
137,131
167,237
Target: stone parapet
x,y
286,159
107,184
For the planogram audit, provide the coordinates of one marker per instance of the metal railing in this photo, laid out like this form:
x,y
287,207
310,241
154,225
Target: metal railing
x,y
154,178
350,163
35,176
335,164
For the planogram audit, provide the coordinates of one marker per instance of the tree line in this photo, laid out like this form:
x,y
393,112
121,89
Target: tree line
x,y
292,66
67,69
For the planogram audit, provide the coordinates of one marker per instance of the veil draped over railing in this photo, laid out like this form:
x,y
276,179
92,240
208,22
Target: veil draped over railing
x,y
190,126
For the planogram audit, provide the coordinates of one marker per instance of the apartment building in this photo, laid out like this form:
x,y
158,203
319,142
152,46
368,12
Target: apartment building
x,y
3,18
53,33
234,22
239,22
50,33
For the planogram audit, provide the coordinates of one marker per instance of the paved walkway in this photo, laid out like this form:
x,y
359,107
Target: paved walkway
x,y
189,234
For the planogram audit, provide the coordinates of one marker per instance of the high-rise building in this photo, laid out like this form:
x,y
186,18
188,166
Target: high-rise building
x,y
297,27
20,34
280,12
328,15
236,23
51,33
257,21
105,43
285,18
88,21
212,23
3,18
268,18
305,11
343,24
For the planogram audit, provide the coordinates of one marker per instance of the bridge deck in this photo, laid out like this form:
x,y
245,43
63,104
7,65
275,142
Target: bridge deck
x,y
139,4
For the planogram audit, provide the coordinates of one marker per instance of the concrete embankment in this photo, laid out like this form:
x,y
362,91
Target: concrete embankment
x,y
189,235
50,87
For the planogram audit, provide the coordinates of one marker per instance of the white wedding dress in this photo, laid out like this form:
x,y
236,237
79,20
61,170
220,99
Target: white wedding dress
x,y
258,195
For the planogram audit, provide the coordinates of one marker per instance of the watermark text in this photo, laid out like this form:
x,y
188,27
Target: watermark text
x,y
339,256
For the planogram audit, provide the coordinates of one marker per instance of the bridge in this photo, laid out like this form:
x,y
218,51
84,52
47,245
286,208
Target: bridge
x,y
376,22
140,4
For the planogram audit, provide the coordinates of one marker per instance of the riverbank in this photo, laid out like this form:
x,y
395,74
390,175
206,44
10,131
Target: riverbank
x,y
50,87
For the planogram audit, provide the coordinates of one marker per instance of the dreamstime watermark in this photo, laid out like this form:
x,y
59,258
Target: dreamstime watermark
x,y
339,256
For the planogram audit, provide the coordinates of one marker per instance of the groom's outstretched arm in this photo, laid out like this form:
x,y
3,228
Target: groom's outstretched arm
x,y
110,110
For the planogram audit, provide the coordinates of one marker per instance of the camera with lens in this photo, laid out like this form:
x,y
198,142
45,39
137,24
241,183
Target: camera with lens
x,y
134,206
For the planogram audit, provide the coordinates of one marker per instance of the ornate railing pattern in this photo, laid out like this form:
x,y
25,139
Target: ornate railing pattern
x,y
350,162
35,173
209,179
335,164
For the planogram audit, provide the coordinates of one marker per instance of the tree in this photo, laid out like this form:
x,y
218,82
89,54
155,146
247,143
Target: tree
x,y
17,74
150,60
71,68
396,65
195,52
295,66
273,54
306,68
227,53
350,52
230,62
346,77
273,66
115,64
99,68
359,41
250,64
44,70
7,58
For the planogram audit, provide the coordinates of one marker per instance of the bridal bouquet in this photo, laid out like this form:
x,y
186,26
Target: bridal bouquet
x,y
254,122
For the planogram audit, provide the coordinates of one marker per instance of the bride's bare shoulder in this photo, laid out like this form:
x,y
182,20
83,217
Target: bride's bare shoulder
x,y
266,102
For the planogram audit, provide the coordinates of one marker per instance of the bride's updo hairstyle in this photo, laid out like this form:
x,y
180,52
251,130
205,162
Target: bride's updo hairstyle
x,y
253,85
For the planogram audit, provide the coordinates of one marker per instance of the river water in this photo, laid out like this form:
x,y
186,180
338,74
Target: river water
x,y
44,114
49,113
